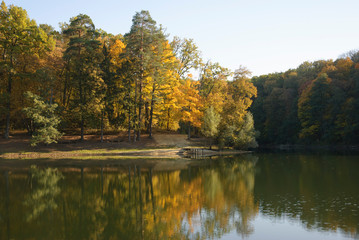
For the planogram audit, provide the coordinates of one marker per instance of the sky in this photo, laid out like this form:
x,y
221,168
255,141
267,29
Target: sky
x,y
266,36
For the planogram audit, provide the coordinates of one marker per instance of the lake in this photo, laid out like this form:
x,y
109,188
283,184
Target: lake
x,y
255,196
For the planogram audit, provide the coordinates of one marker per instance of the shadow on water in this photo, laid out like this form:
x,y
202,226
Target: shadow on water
x,y
189,199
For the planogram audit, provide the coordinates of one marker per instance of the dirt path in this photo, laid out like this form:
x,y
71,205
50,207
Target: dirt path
x,y
175,140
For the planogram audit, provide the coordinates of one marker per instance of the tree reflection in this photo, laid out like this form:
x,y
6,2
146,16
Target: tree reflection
x,y
318,190
139,203
229,192
45,190
201,202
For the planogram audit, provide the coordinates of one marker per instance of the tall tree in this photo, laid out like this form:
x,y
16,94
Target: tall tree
x,y
83,54
211,120
241,92
191,104
164,78
188,55
19,37
213,85
141,42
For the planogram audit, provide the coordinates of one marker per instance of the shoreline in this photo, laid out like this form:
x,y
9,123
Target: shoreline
x,y
161,145
309,147
172,153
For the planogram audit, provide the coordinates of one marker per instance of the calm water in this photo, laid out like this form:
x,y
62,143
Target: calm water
x,y
259,196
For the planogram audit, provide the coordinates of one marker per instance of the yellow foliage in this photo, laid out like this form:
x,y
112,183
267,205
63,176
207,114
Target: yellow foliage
x,y
190,102
116,50
344,65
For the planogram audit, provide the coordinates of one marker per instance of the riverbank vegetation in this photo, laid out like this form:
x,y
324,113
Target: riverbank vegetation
x,y
81,78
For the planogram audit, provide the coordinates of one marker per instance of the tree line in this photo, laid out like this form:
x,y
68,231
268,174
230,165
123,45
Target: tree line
x,y
84,78
317,102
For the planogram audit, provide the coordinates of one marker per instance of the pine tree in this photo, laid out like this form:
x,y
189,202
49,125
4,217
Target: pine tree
x,y
44,120
143,49
83,54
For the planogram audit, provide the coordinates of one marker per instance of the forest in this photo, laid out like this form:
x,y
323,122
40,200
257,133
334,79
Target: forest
x,y
316,103
81,78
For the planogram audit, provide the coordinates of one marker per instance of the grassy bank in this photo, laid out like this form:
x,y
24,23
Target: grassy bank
x,y
18,146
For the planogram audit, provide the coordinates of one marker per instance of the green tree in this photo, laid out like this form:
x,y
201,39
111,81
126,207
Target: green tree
x,y
246,137
211,120
312,107
44,120
143,49
84,56
213,85
188,55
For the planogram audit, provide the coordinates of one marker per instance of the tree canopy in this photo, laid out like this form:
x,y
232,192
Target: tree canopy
x,y
138,81
313,103
143,80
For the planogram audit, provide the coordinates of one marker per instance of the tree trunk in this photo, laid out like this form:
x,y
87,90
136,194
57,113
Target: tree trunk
x,y
147,118
189,131
102,113
8,104
140,88
82,128
65,86
68,96
135,112
139,111
129,123
151,111
168,119
81,109
52,94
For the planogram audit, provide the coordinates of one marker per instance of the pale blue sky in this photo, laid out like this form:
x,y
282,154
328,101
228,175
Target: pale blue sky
x,y
263,35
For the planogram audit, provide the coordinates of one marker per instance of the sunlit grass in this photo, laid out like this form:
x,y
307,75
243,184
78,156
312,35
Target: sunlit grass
x,y
84,153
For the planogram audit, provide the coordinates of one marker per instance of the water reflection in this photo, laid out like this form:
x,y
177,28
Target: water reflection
x,y
321,191
207,199
44,190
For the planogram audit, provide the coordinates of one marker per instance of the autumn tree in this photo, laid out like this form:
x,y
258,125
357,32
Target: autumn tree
x,y
188,54
211,120
214,85
191,104
312,104
20,38
163,81
241,92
